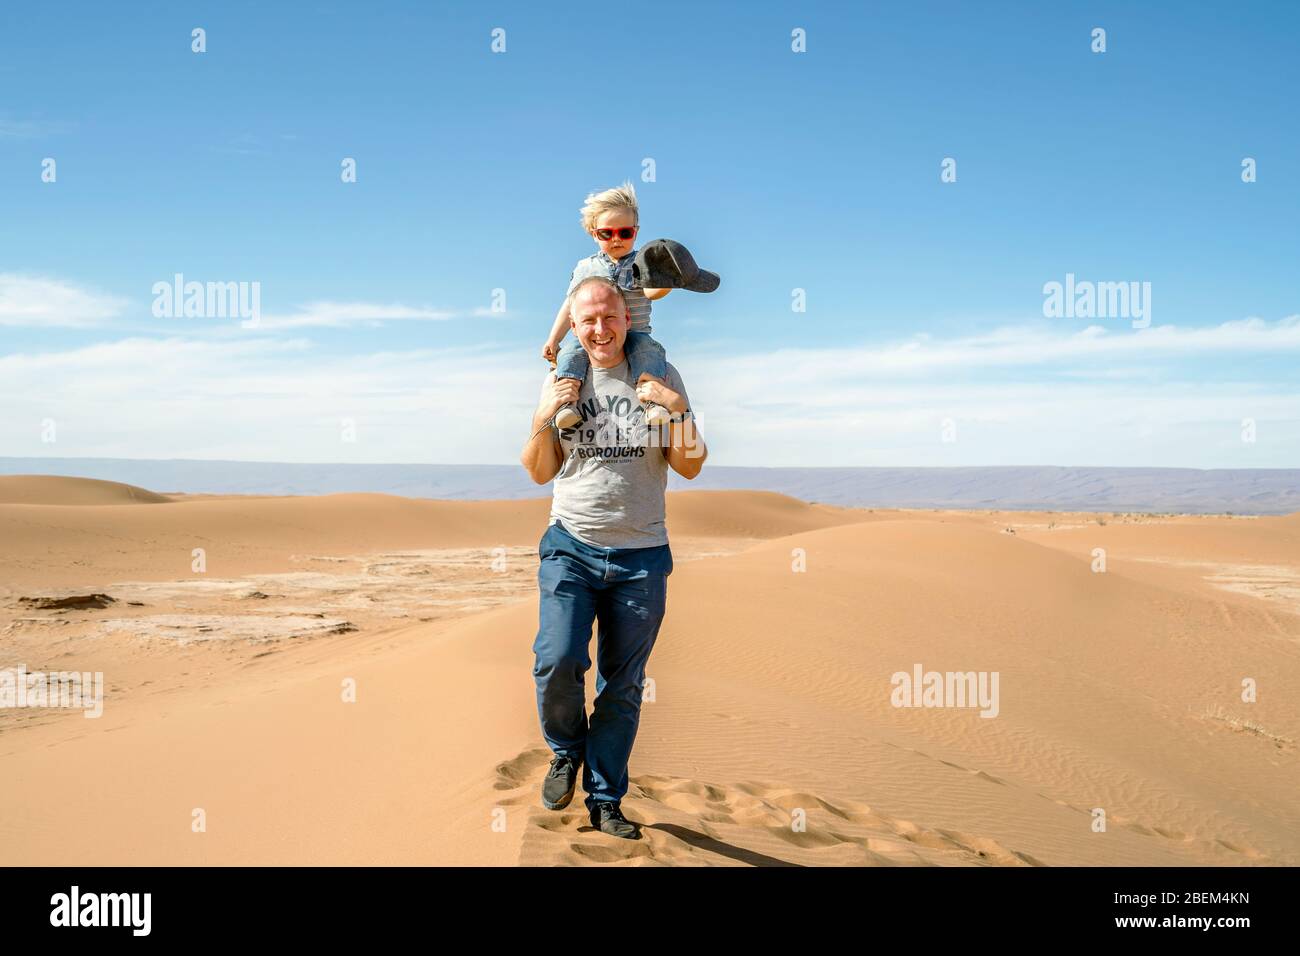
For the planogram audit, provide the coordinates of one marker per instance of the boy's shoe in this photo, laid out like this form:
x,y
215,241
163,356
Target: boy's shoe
x,y
561,779
607,817
656,414
567,417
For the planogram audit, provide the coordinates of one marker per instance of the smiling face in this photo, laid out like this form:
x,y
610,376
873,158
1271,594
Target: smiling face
x,y
600,322
615,248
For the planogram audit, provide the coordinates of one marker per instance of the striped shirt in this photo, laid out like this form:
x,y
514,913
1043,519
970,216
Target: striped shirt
x,y
638,306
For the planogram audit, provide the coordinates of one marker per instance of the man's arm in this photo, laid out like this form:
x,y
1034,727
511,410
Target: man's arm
x,y
685,448
542,456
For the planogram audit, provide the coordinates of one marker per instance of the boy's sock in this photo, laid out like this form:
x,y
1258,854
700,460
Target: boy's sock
x,y
567,417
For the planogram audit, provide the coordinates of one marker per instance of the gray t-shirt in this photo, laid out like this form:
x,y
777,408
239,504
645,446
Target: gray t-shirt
x,y
609,491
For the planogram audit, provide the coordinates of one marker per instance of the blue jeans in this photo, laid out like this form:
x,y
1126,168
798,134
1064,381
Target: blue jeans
x,y
624,590
643,353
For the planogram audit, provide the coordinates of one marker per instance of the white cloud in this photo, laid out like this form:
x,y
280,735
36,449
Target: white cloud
x,y
261,398
1018,346
39,301
342,314
1014,397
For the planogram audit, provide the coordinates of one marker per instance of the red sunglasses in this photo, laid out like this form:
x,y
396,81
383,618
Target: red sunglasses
x,y
626,232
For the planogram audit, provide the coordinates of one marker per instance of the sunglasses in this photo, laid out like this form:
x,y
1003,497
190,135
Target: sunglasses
x,y
627,232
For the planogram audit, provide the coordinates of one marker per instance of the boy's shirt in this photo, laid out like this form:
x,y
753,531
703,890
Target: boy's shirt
x,y
609,491
620,271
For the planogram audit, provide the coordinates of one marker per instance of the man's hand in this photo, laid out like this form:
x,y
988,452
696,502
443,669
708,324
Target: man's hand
x,y
556,393
652,389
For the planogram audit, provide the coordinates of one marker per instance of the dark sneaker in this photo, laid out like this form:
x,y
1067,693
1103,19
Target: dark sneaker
x,y
607,817
561,779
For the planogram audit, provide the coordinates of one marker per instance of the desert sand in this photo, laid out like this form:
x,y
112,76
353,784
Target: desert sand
x,y
1119,690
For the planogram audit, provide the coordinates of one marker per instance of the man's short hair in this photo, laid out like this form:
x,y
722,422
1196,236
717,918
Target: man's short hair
x,y
590,280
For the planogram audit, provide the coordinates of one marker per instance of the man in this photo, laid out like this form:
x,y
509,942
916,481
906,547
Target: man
x,y
605,555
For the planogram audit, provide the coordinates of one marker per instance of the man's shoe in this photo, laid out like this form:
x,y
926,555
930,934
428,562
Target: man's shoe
x,y
561,779
608,818
656,414
566,417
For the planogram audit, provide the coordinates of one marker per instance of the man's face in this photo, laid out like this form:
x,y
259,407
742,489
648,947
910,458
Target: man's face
x,y
600,322
615,247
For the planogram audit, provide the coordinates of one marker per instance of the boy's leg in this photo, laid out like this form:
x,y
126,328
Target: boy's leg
x,y
567,607
645,355
629,612
572,362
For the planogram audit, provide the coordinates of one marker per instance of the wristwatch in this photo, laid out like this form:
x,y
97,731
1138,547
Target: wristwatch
x,y
679,419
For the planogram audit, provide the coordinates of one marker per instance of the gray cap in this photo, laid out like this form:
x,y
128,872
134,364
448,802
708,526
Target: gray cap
x,y
667,264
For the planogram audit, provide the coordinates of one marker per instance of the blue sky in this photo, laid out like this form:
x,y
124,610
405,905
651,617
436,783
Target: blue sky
x,y
780,170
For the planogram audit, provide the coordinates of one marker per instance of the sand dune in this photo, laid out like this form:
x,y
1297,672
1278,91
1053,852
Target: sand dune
x,y
1006,487
60,490
771,688
53,545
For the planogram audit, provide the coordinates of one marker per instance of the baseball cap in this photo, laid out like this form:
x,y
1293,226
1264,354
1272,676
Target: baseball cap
x,y
667,264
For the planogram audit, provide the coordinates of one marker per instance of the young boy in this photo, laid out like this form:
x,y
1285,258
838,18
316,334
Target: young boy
x,y
611,218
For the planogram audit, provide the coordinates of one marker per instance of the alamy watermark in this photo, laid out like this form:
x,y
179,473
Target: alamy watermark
x,y
1098,300
946,689
77,908
208,300
73,689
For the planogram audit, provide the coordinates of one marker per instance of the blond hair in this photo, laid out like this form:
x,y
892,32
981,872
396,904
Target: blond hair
x,y
597,204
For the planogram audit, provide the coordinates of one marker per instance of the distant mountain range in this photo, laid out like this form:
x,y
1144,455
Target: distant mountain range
x,y
1186,490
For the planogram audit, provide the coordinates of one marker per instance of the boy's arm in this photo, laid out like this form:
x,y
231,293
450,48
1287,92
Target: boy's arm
x,y
656,293
560,327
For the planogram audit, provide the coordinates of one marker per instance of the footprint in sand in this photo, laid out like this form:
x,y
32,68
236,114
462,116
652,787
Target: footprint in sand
x,y
687,822
1178,836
